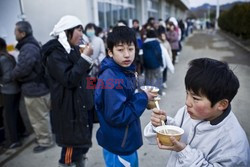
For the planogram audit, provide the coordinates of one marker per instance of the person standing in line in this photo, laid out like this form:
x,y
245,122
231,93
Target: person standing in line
x,y
97,43
168,55
72,101
173,37
138,54
118,106
11,97
29,72
152,60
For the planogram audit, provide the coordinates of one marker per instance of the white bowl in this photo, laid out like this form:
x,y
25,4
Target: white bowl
x,y
153,89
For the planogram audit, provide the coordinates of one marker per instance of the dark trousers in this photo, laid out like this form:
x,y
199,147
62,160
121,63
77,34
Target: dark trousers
x,y
174,54
71,155
165,75
12,116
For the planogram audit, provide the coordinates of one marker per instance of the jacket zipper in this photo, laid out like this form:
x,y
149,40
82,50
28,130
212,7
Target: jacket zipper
x,y
195,132
125,136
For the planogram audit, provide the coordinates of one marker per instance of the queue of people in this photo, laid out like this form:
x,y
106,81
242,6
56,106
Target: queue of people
x,y
55,81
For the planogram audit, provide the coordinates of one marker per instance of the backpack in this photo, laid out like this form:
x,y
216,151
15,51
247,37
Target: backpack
x,y
152,58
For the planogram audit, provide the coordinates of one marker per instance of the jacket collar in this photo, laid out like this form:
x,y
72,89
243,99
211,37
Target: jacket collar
x,y
110,63
25,40
221,117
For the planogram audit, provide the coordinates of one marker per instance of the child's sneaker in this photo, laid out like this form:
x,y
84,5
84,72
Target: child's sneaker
x,y
164,85
176,59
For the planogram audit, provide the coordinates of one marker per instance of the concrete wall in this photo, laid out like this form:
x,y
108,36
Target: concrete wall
x,y
9,15
44,14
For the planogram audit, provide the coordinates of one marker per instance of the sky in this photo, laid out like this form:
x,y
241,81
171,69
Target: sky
x,y
195,3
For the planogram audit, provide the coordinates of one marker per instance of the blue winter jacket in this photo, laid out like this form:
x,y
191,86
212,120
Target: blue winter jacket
x,y
152,54
119,108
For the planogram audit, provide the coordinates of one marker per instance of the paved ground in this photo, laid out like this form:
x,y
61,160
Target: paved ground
x,y
200,44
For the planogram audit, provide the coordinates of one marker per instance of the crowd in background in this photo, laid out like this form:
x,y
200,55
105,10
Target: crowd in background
x,y
158,50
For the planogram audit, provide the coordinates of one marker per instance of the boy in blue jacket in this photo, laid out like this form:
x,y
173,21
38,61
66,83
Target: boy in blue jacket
x,y
118,106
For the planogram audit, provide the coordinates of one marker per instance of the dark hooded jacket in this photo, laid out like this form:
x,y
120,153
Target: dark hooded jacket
x,y
7,63
119,108
70,100
152,54
29,67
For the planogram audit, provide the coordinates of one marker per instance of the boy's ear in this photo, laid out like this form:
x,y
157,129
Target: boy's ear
x,y
223,104
110,53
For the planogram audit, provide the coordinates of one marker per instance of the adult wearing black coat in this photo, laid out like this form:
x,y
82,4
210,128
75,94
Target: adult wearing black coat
x,y
28,71
11,97
72,103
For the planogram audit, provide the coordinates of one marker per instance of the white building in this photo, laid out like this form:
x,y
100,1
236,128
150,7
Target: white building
x,y
44,14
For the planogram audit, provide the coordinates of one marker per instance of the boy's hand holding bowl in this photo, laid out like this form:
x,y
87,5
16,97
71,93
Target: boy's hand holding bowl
x,y
168,136
152,93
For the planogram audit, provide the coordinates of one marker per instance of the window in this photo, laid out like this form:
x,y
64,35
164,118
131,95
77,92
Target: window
x,y
153,8
101,14
167,11
109,12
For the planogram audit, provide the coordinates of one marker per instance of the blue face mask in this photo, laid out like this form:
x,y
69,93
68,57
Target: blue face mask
x,y
90,34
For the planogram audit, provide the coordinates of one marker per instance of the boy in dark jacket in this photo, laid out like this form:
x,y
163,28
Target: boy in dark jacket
x,y
118,106
152,59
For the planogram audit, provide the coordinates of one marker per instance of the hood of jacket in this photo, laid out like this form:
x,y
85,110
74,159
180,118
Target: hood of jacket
x,y
110,63
49,47
150,43
28,39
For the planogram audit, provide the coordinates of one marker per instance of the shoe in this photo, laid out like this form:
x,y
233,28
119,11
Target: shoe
x,y
65,165
15,145
176,59
39,149
162,94
164,85
82,161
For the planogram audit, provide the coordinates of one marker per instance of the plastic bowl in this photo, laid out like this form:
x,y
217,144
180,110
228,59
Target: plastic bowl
x,y
154,89
164,138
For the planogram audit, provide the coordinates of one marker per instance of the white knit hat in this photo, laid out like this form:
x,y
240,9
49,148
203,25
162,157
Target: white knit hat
x,y
174,21
65,23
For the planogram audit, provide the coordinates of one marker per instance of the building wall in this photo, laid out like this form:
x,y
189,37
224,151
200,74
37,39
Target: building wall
x,y
44,14
9,15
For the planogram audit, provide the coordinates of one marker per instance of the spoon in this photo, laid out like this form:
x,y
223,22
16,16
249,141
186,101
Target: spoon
x,y
157,104
165,131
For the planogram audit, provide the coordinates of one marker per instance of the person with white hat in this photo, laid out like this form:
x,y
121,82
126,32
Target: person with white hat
x,y
173,37
72,103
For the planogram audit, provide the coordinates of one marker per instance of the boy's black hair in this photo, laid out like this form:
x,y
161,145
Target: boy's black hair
x,y
212,79
152,33
121,34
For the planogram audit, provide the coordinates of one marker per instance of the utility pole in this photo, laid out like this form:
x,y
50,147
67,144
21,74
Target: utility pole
x,y
208,13
217,15
22,16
